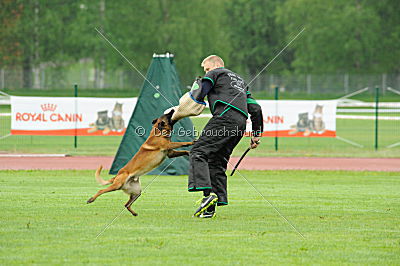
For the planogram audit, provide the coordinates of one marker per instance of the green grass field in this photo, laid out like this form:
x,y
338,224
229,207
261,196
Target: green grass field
x,y
346,218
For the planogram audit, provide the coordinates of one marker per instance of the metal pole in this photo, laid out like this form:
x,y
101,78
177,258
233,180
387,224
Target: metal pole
x,y
271,81
346,83
2,79
76,117
276,118
376,116
384,87
308,81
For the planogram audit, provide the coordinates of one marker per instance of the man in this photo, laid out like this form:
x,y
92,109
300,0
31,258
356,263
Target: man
x,y
230,102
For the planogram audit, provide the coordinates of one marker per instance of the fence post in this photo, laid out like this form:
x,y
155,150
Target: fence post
x,y
76,117
346,83
271,81
276,115
308,81
43,79
384,78
2,79
121,79
376,116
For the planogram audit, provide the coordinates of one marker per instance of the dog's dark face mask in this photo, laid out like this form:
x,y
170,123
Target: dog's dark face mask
x,y
165,122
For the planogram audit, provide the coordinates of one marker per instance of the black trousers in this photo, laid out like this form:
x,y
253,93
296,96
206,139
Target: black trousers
x,y
209,156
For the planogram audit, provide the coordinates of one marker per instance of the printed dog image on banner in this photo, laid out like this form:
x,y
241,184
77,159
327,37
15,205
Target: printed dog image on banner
x,y
302,125
102,123
317,123
117,122
307,126
298,118
67,116
107,124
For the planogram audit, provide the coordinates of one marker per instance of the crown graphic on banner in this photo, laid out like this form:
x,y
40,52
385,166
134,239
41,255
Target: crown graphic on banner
x,y
48,107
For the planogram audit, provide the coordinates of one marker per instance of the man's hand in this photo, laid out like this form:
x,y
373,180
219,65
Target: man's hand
x,y
254,142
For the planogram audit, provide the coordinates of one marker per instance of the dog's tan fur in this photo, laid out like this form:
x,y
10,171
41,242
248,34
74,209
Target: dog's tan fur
x,y
151,154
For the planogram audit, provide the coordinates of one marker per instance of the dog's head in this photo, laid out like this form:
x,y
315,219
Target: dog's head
x,y
164,124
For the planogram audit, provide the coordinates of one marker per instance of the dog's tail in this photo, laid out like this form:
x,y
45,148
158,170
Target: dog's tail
x,y
100,180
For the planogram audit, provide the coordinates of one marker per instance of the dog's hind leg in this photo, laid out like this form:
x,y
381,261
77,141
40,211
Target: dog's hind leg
x,y
131,200
113,187
119,181
174,153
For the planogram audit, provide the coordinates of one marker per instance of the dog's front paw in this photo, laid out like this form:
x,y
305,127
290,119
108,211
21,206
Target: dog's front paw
x,y
90,200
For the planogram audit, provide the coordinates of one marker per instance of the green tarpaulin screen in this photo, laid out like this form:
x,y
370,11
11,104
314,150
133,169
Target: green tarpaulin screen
x,y
150,105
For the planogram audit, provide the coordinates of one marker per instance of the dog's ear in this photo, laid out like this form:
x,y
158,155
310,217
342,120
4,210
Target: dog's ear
x,y
169,116
171,113
154,121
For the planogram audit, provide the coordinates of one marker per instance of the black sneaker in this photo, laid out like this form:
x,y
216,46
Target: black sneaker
x,y
207,214
205,203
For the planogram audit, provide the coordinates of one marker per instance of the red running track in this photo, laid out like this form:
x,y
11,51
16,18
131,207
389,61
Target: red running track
x,y
248,163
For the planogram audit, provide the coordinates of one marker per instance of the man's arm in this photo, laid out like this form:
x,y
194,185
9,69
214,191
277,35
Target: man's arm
x,y
192,103
201,93
256,117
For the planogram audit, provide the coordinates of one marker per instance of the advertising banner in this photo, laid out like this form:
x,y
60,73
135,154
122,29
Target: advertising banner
x,y
298,118
67,116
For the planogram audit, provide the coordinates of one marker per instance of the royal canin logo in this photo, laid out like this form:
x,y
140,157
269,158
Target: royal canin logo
x,y
48,107
48,114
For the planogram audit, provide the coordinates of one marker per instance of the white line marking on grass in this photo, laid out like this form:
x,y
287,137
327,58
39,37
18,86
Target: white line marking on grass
x,y
367,117
32,155
349,142
393,145
351,110
5,136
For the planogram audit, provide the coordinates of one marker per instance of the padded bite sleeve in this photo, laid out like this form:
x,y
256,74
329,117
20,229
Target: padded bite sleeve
x,y
188,106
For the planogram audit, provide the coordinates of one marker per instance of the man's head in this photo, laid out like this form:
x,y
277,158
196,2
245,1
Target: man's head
x,y
212,62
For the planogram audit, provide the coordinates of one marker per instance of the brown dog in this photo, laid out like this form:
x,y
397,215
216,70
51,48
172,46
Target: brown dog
x,y
150,155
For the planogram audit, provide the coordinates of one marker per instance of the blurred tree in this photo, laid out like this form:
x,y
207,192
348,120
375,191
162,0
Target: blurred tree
x,y
10,13
340,36
191,32
389,34
255,36
43,32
